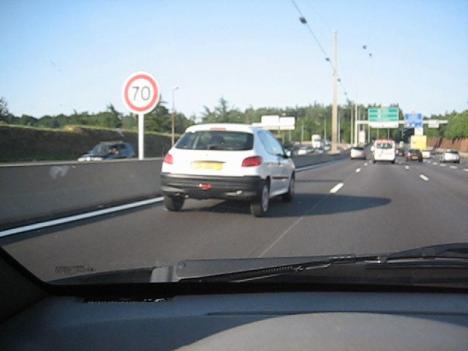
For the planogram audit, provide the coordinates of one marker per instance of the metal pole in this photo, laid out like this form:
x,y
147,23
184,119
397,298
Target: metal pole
x,y
302,132
173,116
335,94
356,127
141,136
351,134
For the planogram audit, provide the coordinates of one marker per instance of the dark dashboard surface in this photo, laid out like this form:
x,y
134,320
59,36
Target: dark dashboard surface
x,y
272,321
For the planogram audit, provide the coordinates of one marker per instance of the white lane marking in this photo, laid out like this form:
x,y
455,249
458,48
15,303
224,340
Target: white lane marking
x,y
434,163
336,188
406,167
365,164
78,217
453,167
466,169
358,170
442,165
423,177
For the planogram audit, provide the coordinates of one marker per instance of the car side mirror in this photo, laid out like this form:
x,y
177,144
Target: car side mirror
x,y
287,153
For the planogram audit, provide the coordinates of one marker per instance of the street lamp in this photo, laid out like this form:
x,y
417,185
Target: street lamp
x,y
173,114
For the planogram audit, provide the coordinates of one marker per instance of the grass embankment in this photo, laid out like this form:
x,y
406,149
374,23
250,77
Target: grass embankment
x,y
19,143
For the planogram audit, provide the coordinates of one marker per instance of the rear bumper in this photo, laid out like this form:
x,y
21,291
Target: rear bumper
x,y
240,188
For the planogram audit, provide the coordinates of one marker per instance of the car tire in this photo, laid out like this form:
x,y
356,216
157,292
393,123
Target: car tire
x,y
289,196
173,203
259,206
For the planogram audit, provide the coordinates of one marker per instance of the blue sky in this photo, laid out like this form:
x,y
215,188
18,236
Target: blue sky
x,y
58,56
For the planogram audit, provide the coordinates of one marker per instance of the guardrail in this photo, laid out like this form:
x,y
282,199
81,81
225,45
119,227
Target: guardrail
x,y
37,191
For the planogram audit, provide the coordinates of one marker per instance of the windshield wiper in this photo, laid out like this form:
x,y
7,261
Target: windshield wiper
x,y
445,256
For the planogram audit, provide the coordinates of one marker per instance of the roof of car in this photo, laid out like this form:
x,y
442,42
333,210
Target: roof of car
x,y
234,127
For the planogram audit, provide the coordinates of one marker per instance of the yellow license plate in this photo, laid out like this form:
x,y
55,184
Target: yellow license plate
x,y
212,166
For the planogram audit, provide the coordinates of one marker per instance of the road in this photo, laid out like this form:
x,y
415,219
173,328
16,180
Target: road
x,y
341,207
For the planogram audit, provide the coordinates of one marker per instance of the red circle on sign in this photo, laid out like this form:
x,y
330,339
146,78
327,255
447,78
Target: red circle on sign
x,y
153,101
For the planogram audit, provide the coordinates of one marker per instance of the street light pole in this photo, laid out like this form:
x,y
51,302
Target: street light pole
x,y
334,135
173,115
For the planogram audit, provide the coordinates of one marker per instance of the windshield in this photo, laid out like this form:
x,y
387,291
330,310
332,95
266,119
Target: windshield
x,y
173,137
216,140
101,149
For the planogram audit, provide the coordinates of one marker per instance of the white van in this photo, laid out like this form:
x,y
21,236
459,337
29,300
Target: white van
x,y
384,150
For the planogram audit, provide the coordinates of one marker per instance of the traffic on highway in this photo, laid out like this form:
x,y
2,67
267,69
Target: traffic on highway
x,y
164,153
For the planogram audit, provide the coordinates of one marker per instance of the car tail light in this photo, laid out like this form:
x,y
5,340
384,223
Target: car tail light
x,y
252,161
169,159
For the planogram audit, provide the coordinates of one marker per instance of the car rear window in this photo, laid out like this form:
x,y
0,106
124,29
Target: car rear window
x,y
358,148
216,140
453,152
384,145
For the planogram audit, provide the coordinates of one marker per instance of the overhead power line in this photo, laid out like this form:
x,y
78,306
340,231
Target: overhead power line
x,y
304,21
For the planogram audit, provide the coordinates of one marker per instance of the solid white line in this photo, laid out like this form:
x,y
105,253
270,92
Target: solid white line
x,y
78,217
336,188
434,163
466,169
406,167
442,165
423,177
453,167
358,170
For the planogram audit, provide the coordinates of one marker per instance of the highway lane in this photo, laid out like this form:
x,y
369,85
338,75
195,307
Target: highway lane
x,y
375,208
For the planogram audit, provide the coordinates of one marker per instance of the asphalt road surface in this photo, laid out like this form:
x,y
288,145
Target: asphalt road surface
x,y
340,207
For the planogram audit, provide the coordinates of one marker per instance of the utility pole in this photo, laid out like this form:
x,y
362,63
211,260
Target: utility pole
x,y
335,94
351,134
324,129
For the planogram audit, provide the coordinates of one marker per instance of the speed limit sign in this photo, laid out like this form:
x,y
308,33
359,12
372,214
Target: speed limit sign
x,y
140,94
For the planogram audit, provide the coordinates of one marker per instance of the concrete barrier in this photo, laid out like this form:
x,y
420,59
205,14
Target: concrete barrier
x,y
34,191
30,192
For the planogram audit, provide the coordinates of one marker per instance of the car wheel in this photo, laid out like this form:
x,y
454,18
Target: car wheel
x,y
291,190
259,207
173,203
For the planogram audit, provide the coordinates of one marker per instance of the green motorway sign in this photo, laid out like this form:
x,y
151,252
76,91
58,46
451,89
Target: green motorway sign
x,y
383,114
383,117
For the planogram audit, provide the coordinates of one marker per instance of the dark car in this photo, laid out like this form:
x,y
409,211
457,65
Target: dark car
x,y
414,155
109,150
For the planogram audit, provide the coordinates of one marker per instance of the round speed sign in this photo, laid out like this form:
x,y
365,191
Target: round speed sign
x,y
140,92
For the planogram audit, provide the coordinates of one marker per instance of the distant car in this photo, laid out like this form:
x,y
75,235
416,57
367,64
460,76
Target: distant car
x,y
357,152
383,150
450,156
414,155
426,154
109,150
227,161
304,150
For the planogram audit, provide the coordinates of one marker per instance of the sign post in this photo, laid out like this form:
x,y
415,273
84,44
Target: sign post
x,y
140,95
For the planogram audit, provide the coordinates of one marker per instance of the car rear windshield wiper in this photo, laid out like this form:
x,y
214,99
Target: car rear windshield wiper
x,y
439,256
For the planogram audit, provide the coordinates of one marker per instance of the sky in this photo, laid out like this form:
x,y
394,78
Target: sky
x,y
60,56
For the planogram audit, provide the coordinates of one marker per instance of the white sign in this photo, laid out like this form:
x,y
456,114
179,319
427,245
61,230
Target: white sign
x,y
277,123
270,120
140,94
419,131
433,124
383,124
